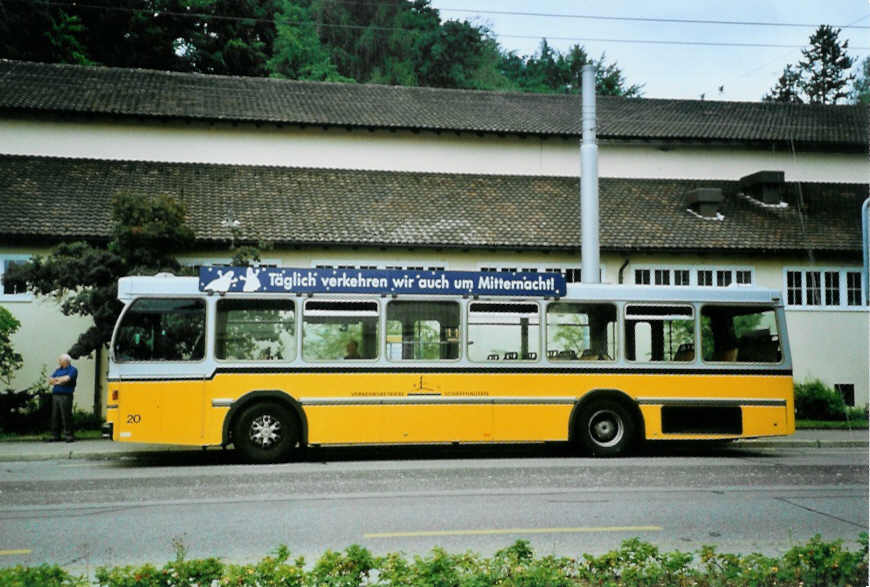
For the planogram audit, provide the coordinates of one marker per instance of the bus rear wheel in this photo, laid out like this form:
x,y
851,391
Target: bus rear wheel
x,y
606,428
265,433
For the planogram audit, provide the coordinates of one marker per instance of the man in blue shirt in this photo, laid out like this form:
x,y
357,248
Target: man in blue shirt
x,y
63,382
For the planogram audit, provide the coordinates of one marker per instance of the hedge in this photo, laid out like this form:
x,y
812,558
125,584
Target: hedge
x,y
816,563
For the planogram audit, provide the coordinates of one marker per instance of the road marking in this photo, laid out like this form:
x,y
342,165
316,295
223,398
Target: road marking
x,y
15,552
495,531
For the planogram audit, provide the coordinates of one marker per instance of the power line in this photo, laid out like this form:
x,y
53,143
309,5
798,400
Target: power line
x,y
647,19
206,16
660,42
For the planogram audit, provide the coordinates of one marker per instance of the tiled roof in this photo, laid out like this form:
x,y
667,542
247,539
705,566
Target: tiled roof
x,y
69,89
51,198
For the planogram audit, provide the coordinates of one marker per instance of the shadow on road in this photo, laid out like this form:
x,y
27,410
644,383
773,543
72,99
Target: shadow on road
x,y
435,452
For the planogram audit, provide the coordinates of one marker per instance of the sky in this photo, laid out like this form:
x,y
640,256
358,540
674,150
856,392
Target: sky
x,y
674,71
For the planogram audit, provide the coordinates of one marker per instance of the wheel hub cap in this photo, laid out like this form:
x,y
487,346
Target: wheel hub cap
x,y
265,431
606,428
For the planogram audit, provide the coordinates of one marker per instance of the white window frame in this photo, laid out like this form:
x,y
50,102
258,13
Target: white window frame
x,y
403,264
693,274
843,294
547,268
26,296
203,261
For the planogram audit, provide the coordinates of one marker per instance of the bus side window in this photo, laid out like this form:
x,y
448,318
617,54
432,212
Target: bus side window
x,y
659,333
503,329
340,330
422,331
740,334
255,330
581,332
156,329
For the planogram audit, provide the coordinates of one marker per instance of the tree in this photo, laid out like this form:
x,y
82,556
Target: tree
x,y
456,55
550,71
235,37
861,85
822,76
10,361
787,88
826,67
84,277
39,32
298,53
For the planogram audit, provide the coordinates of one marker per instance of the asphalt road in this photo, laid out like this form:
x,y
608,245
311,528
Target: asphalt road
x,y
132,510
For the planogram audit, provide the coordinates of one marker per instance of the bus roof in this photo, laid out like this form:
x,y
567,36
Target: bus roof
x,y
166,284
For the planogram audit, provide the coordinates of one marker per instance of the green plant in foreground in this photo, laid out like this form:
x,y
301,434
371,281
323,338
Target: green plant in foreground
x,y
816,401
635,563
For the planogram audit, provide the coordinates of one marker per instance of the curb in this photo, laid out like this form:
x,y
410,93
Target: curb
x,y
802,443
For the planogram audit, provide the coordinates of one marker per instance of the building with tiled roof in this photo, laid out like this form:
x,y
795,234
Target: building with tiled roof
x,y
377,176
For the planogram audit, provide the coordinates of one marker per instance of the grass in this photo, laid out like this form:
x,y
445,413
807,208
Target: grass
x,y
79,434
855,424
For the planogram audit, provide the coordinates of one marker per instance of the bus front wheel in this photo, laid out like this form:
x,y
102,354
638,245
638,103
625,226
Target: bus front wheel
x,y
606,428
265,433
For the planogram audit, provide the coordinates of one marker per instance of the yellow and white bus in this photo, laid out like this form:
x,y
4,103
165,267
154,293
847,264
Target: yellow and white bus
x,y
321,357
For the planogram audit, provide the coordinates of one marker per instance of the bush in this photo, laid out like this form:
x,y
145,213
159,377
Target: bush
x,y
25,411
816,563
816,401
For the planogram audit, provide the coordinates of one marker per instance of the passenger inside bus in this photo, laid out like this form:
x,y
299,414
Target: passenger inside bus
x,y
352,350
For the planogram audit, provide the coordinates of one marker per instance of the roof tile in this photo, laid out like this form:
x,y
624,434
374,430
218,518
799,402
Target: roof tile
x,y
55,198
55,88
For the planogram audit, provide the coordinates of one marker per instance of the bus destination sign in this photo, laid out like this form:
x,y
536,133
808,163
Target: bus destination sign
x,y
380,281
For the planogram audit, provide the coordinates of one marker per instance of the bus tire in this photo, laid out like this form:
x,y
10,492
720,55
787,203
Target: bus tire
x,y
606,428
265,432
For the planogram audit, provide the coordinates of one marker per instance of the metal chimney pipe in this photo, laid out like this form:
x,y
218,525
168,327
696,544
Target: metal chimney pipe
x,y
865,238
589,253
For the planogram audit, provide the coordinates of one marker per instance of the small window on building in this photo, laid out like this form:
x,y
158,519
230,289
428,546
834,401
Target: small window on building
x,y
255,330
581,332
847,392
794,288
503,332
422,331
853,288
340,330
662,276
814,288
659,333
739,334
642,276
11,288
723,278
681,277
832,288
743,277
705,277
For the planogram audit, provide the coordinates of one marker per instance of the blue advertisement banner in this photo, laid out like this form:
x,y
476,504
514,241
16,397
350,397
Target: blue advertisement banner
x,y
380,281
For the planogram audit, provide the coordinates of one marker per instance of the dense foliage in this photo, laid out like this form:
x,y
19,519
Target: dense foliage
x,y
10,361
401,42
822,76
84,277
816,563
816,401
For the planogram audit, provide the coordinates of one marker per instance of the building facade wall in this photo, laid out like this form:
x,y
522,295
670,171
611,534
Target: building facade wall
x,y
409,151
44,334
